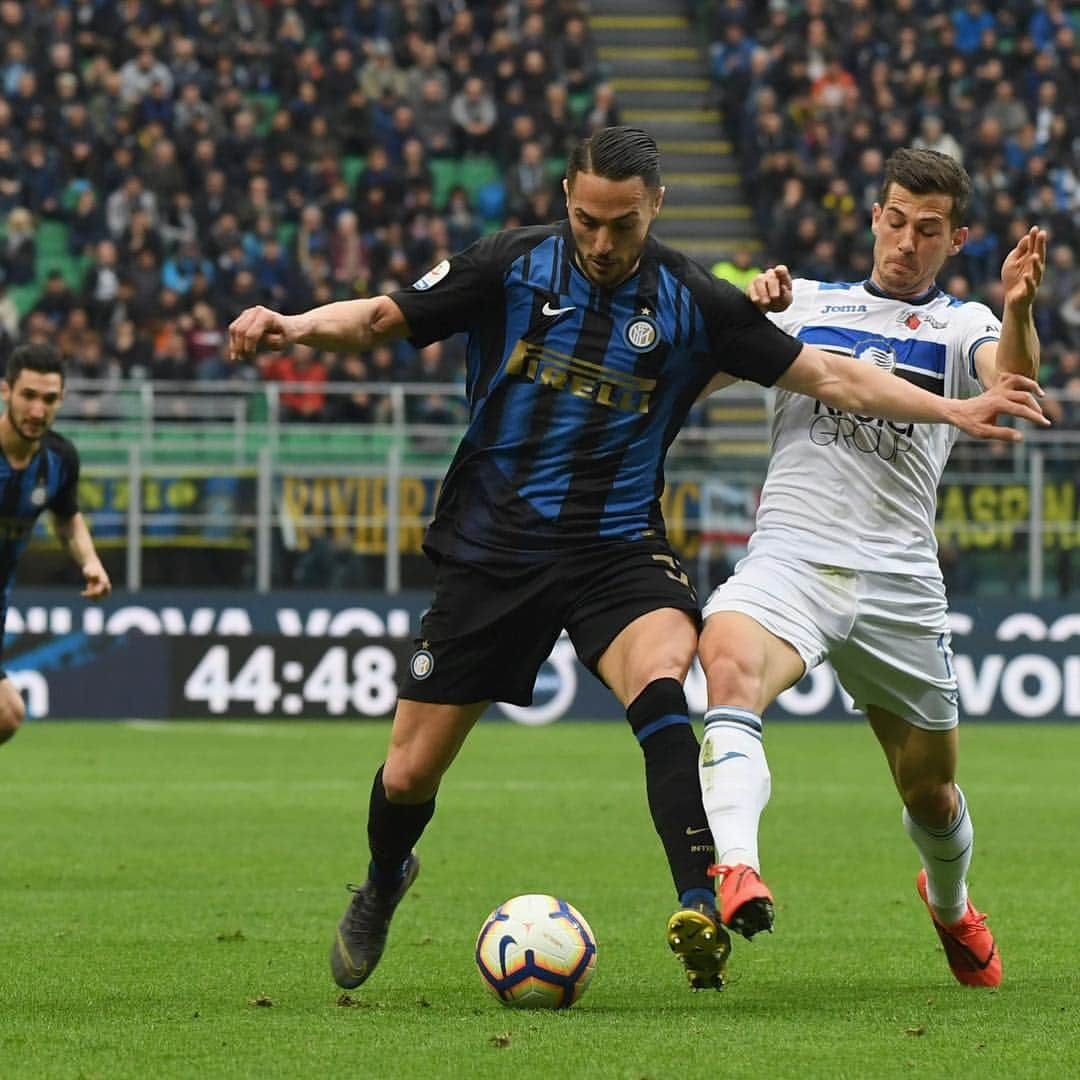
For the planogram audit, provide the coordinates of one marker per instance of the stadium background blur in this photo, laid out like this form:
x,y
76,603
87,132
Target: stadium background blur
x,y
165,164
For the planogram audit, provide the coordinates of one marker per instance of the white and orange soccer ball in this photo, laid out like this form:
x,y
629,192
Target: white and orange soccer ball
x,y
536,952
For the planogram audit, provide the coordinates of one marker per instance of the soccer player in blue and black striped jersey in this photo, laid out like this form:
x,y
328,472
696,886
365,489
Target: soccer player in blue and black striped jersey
x,y
589,341
39,470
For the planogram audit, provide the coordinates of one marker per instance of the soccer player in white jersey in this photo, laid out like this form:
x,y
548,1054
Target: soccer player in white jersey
x,y
843,564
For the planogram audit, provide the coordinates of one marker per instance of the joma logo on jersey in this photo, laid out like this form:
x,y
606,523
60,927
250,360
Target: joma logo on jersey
x,y
843,309
593,382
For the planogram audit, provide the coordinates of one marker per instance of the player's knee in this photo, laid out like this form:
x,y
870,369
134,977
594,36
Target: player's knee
x,y
12,712
732,677
409,779
930,801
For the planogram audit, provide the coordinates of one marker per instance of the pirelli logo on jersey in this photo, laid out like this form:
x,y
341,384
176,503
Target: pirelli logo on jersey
x,y
13,528
583,379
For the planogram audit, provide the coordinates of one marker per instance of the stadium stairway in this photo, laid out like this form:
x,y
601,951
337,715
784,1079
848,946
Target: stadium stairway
x,y
658,64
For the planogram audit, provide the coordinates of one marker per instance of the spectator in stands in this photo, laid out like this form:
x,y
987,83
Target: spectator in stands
x,y
575,55
526,177
348,256
179,270
20,247
357,406
604,111
933,136
380,75
56,299
140,74
1063,384
9,317
101,284
305,367
473,114
205,340
739,268
462,224
122,204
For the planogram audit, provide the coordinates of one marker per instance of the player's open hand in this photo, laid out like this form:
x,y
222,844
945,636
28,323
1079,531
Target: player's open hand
x,y
97,583
1022,270
1012,395
771,289
257,326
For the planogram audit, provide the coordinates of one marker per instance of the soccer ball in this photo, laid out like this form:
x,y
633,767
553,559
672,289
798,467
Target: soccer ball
x,y
536,952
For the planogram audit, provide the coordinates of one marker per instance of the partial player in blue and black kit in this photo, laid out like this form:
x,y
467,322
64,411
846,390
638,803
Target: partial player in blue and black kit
x,y
39,470
588,344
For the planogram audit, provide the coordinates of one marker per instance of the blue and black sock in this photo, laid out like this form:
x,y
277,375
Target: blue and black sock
x,y
660,720
393,830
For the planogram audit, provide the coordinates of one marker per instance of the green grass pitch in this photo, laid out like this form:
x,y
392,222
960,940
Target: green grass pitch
x,y
168,895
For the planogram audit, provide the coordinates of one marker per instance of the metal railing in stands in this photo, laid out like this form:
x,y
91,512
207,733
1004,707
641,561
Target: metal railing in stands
x,y
222,466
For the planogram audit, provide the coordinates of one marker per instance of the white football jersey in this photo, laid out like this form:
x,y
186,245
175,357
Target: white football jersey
x,y
855,491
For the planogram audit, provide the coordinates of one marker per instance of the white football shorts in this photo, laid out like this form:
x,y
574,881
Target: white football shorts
x,y
885,634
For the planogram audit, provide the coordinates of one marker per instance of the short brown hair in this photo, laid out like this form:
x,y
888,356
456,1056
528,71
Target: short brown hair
x,y
929,172
42,358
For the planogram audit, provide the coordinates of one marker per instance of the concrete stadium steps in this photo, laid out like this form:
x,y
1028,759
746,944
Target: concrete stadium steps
x,y
657,62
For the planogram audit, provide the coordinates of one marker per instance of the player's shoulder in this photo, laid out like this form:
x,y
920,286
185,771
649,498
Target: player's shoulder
x,y
56,444
830,293
969,312
703,285
507,245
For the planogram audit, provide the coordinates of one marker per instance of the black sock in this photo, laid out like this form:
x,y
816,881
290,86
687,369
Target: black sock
x,y
393,830
660,720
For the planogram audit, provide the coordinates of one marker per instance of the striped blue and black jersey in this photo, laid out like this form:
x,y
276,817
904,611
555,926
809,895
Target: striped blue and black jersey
x,y
49,482
575,392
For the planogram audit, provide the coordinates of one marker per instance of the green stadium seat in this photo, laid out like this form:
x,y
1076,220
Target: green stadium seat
x,y
476,172
555,168
25,296
52,239
444,176
352,167
264,105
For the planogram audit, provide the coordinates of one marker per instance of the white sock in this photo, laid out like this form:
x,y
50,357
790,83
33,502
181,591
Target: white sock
x,y
735,782
946,856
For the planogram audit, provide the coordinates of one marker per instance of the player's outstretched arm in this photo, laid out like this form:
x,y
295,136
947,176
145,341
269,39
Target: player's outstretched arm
x,y
344,326
1017,350
860,388
75,536
771,290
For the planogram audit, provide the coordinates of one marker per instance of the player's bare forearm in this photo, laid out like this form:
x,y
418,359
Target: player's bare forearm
x,y
343,326
857,387
349,325
74,534
1018,347
1021,276
860,388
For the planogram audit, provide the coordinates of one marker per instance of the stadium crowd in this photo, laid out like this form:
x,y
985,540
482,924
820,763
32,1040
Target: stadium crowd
x,y
166,163
816,94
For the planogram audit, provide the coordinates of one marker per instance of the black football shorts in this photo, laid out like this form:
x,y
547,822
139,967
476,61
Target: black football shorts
x,y
489,630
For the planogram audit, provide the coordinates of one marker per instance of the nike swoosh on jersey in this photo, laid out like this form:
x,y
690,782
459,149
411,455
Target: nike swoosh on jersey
x,y
547,309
